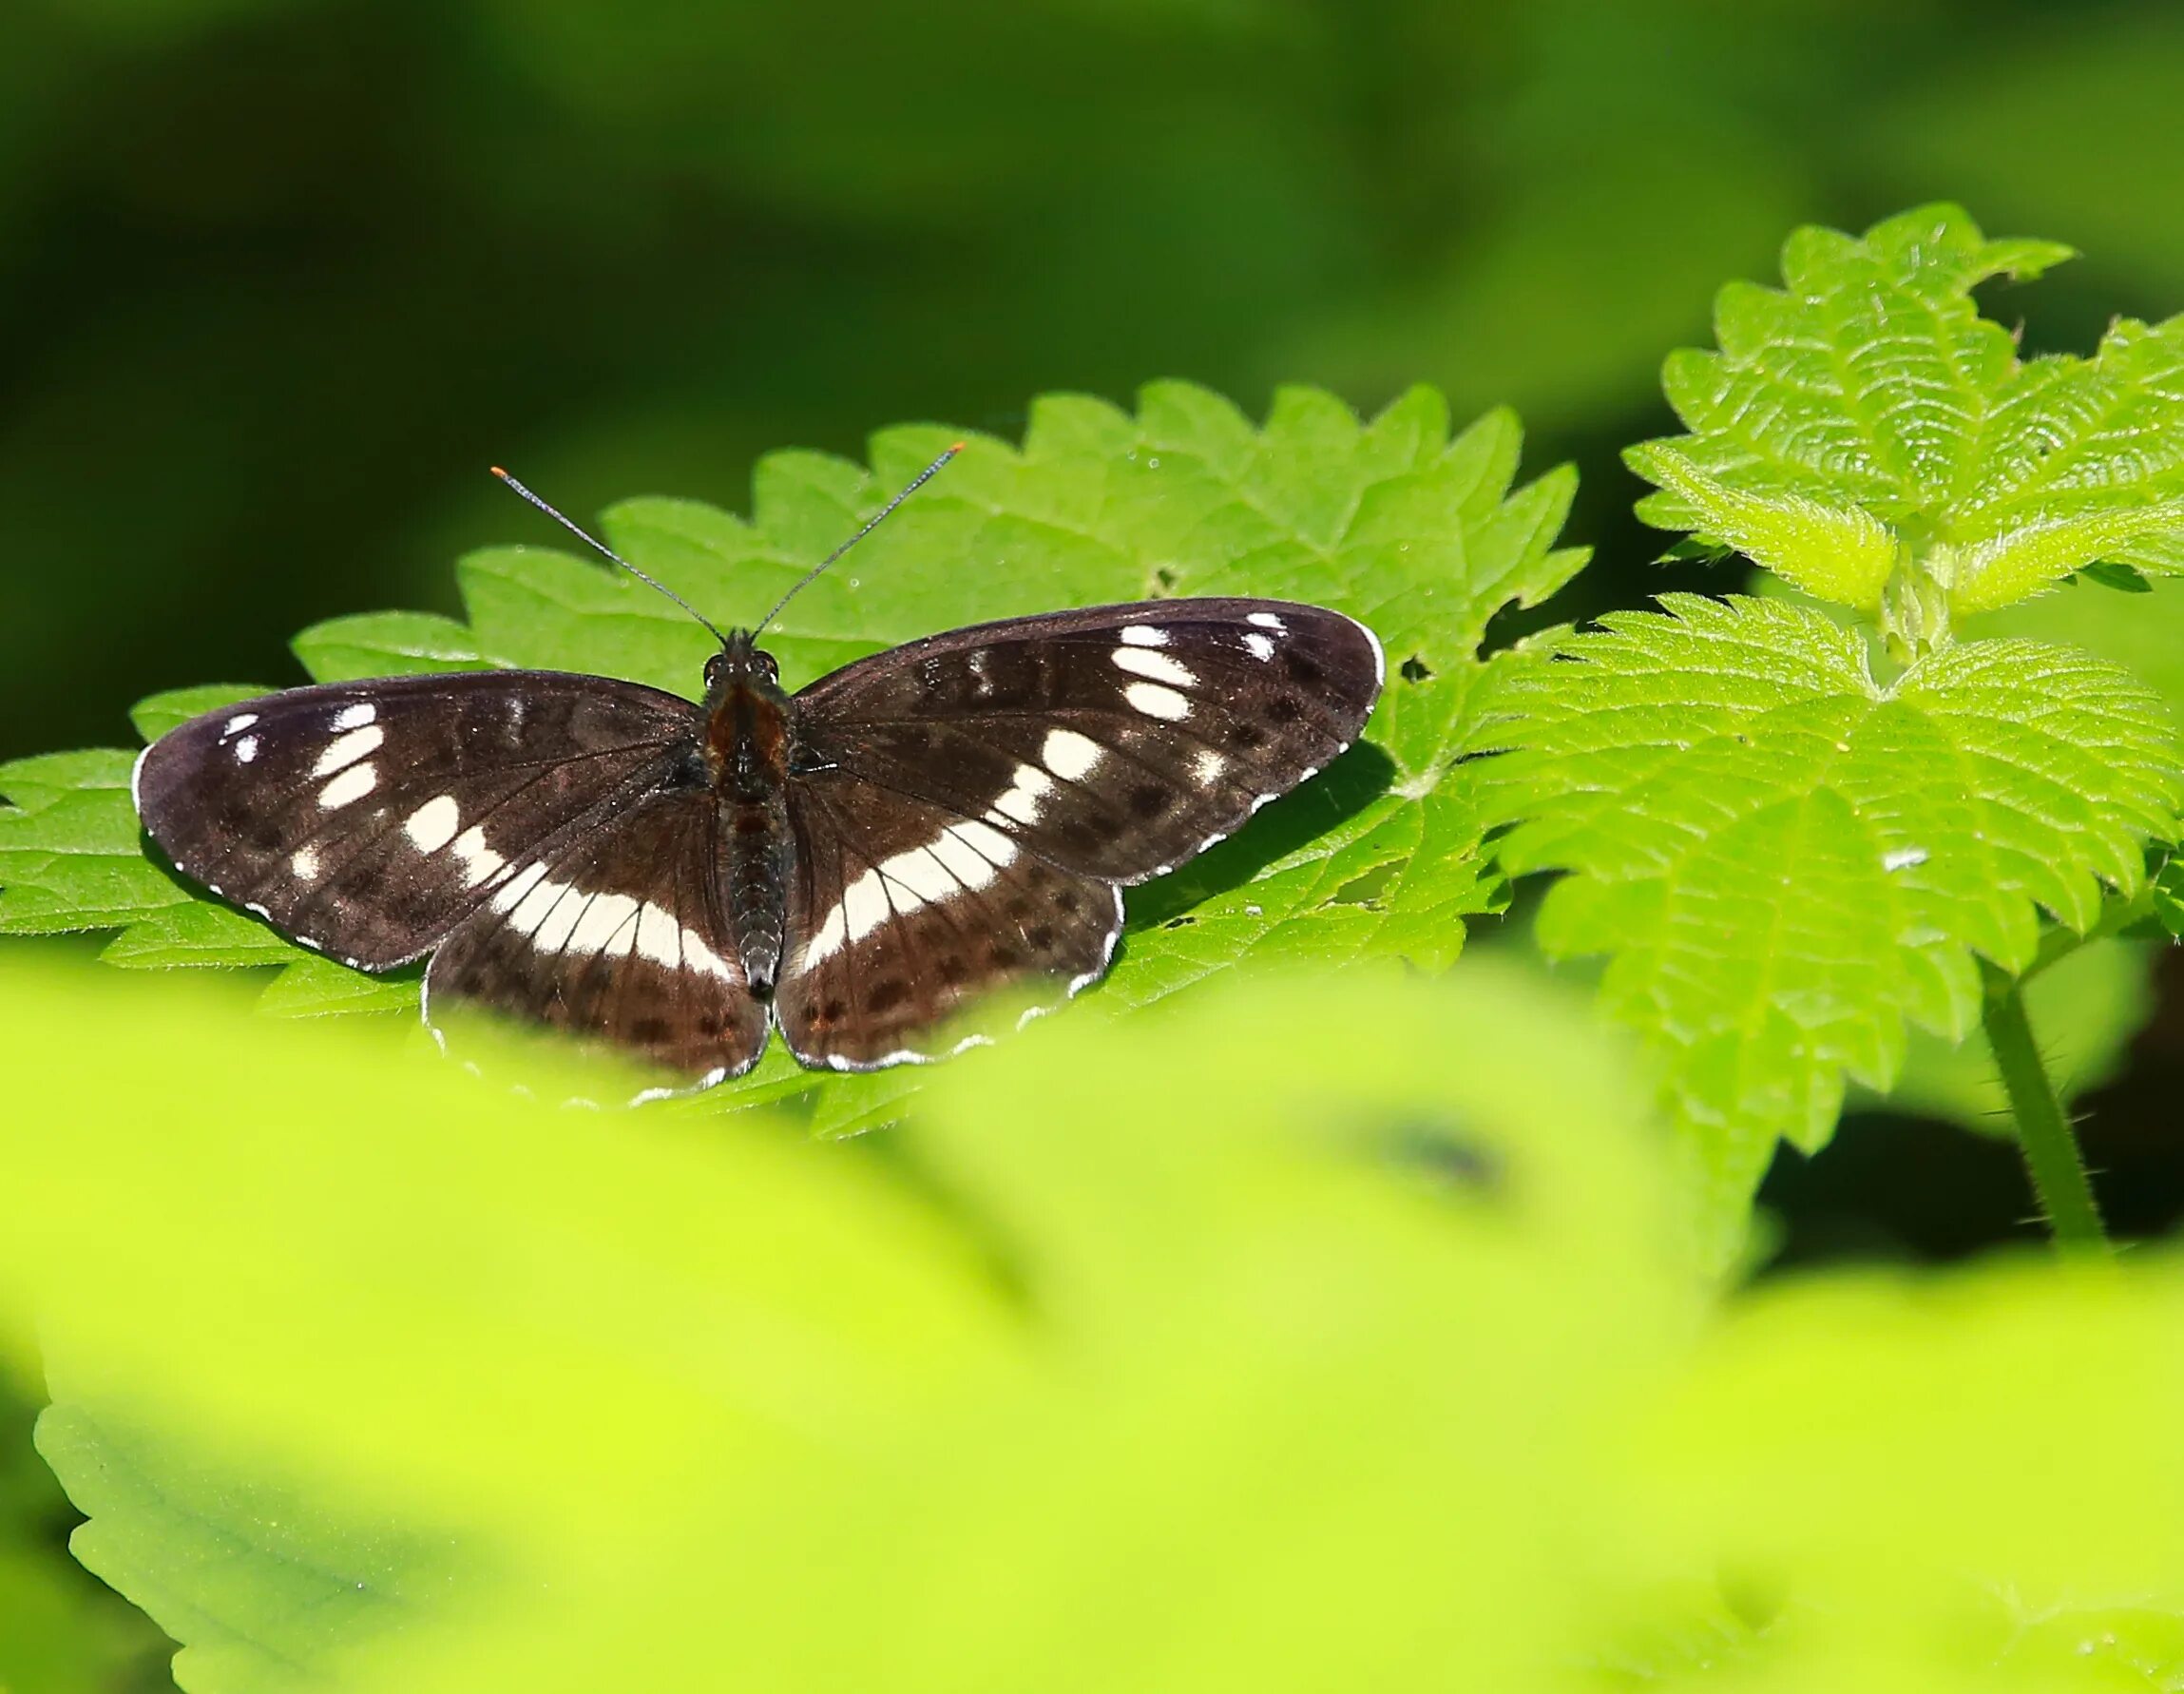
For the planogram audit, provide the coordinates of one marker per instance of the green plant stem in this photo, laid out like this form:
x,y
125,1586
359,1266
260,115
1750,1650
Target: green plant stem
x,y
2043,1131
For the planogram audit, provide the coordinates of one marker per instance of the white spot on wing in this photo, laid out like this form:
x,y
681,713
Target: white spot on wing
x,y
1157,702
237,725
1069,755
1020,802
696,955
352,783
432,825
1260,646
966,855
537,906
508,899
357,716
246,749
304,863
987,839
1267,620
479,861
1158,665
1143,635
827,940
658,936
924,879
348,749
608,925
865,906
965,862
1208,766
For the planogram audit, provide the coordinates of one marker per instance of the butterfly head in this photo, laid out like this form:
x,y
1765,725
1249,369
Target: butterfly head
x,y
741,663
746,743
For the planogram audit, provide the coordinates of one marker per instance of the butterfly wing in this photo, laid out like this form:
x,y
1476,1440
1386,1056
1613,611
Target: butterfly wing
x,y
966,806
366,818
902,912
616,933
1115,741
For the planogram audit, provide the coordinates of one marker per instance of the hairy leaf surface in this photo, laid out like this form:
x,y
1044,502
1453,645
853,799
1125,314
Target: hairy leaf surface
x,y
1864,422
1787,859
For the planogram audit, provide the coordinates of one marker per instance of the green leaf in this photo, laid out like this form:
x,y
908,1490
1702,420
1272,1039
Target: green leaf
x,y
70,853
385,643
1787,859
254,1578
369,1376
60,1631
1423,535
1864,421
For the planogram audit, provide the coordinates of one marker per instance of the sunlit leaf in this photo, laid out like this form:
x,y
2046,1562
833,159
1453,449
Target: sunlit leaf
x,y
1786,859
1863,421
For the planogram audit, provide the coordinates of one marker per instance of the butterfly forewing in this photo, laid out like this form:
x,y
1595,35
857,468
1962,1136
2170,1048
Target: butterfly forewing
x,y
1115,741
617,931
903,911
366,818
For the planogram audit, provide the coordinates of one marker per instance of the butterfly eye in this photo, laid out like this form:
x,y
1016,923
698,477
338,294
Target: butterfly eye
x,y
714,667
767,668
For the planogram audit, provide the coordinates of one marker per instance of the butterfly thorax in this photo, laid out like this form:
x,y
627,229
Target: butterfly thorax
x,y
747,750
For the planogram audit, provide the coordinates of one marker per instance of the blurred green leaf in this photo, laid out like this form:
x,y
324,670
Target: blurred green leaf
x,y
1423,535
1760,843
60,1631
1864,421
257,1582
1075,1402
1170,1354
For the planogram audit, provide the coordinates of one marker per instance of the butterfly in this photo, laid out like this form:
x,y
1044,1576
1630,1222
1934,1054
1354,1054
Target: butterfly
x,y
854,864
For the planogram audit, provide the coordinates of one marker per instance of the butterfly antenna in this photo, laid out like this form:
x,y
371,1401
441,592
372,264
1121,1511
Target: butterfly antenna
x,y
878,517
599,547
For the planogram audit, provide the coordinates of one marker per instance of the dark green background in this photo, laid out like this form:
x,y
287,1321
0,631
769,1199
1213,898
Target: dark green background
x,y
278,279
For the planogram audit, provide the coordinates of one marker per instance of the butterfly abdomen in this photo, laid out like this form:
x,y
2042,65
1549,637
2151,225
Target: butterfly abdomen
x,y
747,738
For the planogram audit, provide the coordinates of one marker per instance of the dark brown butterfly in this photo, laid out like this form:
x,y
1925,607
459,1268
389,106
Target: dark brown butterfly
x,y
856,862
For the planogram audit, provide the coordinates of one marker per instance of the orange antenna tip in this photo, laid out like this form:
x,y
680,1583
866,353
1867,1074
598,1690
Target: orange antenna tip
x,y
957,446
498,472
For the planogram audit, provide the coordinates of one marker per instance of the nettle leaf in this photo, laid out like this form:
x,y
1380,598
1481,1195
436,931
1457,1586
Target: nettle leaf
x,y
1863,428
1421,535
1788,859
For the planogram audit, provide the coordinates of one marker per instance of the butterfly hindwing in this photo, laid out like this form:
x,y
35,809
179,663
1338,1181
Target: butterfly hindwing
x,y
1115,741
903,911
366,818
618,933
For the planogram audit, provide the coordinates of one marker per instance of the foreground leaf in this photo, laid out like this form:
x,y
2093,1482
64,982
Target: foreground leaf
x,y
1864,433
1138,1303
1787,859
